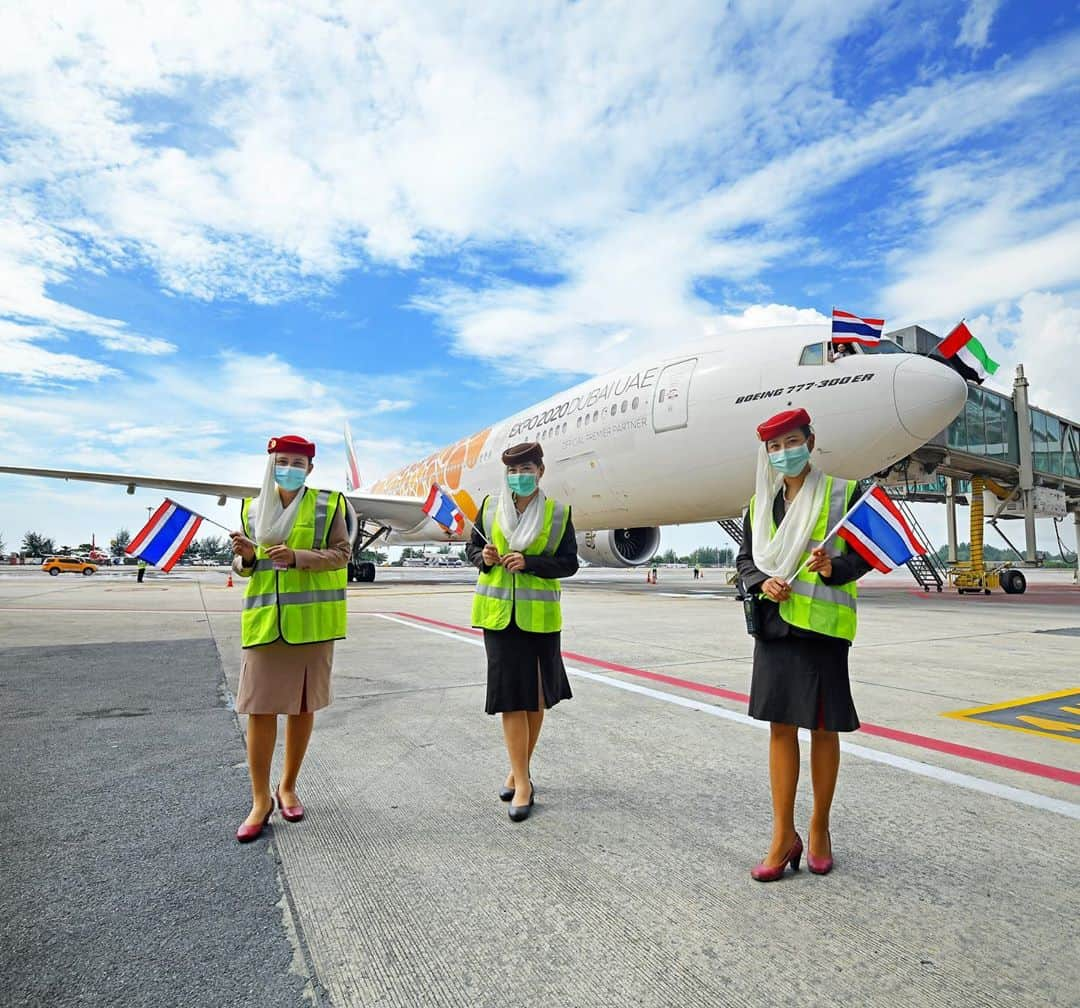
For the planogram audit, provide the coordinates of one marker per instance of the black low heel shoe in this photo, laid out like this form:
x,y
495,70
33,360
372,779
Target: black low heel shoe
x,y
519,813
507,793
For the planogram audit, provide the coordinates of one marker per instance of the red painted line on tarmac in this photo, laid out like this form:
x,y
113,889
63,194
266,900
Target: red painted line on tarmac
x,y
986,756
1033,595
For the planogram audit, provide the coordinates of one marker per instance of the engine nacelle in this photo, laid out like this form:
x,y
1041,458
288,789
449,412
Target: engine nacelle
x,y
619,547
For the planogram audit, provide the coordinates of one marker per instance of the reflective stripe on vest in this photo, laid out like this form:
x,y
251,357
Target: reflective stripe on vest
x,y
533,601
296,606
814,605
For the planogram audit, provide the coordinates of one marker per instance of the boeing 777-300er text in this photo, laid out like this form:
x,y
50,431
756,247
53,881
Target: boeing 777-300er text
x,y
666,440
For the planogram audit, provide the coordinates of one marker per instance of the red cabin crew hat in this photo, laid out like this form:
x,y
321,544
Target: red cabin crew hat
x,y
782,423
291,444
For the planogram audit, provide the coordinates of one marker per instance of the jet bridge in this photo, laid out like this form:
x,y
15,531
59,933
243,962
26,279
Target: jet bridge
x,y
1014,462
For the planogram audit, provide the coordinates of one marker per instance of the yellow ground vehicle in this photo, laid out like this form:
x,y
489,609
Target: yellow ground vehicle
x,y
974,576
72,565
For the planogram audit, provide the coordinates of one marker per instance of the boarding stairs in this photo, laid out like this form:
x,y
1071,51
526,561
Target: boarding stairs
x,y
733,527
928,570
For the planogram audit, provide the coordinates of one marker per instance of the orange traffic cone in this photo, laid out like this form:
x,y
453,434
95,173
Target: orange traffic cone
x,y
229,584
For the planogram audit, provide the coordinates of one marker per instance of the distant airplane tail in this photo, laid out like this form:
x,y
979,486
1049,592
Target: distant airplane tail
x,y
352,469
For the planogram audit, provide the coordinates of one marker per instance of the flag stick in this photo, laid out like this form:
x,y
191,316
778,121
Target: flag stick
x,y
479,532
835,528
201,516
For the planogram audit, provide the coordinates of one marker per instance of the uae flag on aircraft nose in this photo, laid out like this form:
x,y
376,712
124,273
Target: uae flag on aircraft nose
x,y
965,353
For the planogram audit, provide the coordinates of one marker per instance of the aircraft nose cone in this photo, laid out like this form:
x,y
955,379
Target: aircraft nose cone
x,y
928,395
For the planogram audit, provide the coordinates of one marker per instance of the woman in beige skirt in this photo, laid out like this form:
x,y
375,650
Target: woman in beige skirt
x,y
295,550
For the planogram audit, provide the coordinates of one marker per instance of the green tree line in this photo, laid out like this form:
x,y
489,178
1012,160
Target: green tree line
x,y
995,554
703,556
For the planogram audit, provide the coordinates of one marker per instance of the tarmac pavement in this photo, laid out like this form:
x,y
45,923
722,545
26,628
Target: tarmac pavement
x,y
630,883
123,885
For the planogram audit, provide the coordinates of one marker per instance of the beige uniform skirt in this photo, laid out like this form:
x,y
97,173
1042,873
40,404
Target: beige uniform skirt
x,y
282,678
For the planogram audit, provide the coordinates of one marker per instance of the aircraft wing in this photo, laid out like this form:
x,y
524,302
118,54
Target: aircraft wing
x,y
398,513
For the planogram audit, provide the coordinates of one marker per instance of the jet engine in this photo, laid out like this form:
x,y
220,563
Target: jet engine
x,y
629,547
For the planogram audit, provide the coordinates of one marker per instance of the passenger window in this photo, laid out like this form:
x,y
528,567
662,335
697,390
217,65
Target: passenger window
x,y
813,354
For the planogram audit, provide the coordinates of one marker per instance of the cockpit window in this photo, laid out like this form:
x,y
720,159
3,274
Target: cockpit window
x,y
813,354
884,347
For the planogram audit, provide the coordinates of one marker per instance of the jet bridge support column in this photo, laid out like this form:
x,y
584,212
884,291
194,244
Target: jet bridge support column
x,y
950,514
1076,522
1027,459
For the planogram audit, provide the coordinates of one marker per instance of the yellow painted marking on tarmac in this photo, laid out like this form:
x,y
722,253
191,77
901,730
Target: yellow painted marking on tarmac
x,y
1013,703
1035,723
1046,724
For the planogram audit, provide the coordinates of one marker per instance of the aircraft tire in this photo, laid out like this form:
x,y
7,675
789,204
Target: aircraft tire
x,y
1014,583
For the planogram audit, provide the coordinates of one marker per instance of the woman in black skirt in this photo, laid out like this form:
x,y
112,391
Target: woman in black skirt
x,y
805,620
523,542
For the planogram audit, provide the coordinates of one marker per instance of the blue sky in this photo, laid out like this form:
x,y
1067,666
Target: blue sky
x,y
217,226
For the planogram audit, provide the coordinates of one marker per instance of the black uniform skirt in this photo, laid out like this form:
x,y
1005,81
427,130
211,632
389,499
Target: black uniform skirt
x,y
513,656
803,681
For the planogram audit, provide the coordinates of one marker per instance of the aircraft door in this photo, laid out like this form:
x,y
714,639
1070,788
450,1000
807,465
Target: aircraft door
x,y
671,396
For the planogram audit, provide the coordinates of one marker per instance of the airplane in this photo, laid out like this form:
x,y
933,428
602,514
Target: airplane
x,y
667,439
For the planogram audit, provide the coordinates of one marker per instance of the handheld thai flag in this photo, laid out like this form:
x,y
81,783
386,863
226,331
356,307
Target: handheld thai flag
x,y
441,508
165,536
848,328
876,530
960,347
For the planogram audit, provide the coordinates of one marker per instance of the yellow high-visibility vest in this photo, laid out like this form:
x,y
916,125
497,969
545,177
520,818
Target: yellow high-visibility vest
x,y
296,606
814,605
534,601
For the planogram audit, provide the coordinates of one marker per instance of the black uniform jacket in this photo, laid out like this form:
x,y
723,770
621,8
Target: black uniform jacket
x,y
562,564
845,568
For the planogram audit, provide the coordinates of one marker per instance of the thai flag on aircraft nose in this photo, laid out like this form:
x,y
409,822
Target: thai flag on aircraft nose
x,y
876,530
163,539
848,328
440,507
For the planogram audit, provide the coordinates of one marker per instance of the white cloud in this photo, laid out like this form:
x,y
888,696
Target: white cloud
x,y
975,24
21,357
391,406
1040,330
636,152
34,254
209,422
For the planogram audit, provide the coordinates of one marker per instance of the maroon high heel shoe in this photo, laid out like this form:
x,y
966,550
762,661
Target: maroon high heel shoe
x,y
245,834
771,873
820,865
294,813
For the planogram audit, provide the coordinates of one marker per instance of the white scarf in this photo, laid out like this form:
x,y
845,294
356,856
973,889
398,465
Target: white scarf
x,y
780,555
271,521
520,529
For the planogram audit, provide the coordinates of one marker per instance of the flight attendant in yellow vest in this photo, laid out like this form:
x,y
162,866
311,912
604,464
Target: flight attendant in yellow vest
x,y
294,549
523,542
804,625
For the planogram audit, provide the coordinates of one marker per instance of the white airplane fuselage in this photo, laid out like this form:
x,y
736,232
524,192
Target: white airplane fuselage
x,y
671,438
